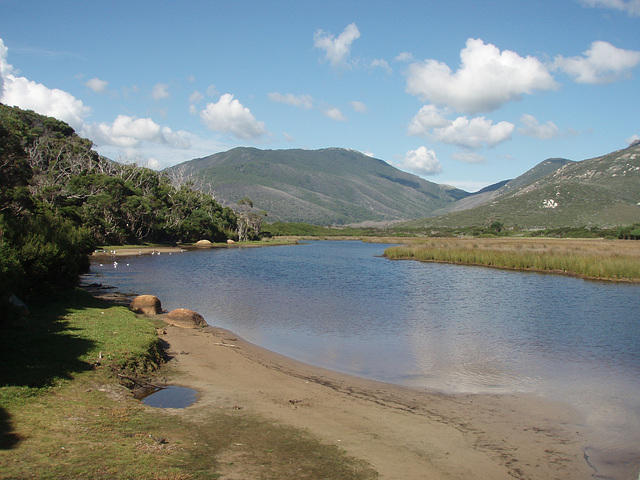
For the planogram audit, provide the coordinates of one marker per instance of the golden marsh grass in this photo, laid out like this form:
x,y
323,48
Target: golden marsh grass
x,y
590,258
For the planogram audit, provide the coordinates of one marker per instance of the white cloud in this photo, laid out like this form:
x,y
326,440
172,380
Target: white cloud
x,y
486,79
153,163
160,91
337,50
129,132
632,7
421,161
96,85
532,128
20,92
302,101
211,90
405,57
471,134
358,106
474,133
288,137
196,97
427,118
468,157
228,115
335,114
602,63
633,138
379,63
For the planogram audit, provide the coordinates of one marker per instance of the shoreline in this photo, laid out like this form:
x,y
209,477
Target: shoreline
x,y
403,432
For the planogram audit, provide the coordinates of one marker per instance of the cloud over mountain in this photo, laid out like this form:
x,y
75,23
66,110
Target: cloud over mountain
x,y
486,79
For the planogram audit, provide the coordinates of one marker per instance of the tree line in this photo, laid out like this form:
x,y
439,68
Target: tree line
x,y
59,199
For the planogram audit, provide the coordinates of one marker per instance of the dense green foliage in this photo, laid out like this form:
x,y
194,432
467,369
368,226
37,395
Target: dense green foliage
x,y
59,198
281,229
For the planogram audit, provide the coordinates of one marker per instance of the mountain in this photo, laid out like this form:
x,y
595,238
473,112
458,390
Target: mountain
x,y
601,191
327,186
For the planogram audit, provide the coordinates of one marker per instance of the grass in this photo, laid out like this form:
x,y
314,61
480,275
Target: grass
x,y
589,258
63,413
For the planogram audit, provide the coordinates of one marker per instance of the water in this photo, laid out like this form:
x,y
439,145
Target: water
x,y
339,305
171,397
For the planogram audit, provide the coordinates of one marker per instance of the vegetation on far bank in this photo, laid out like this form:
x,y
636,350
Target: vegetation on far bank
x,y
64,413
59,199
589,258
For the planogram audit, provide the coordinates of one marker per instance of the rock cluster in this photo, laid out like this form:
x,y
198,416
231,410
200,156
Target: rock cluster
x,y
180,317
146,304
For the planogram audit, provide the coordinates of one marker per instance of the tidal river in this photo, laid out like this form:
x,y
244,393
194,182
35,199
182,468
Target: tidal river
x,y
341,306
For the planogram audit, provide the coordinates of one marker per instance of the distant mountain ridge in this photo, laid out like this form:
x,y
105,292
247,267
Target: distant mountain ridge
x,y
342,186
601,191
326,186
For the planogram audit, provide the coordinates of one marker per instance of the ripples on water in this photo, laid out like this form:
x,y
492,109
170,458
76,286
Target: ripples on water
x,y
341,306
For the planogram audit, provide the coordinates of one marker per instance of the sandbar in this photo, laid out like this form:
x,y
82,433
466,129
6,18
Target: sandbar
x,y
404,433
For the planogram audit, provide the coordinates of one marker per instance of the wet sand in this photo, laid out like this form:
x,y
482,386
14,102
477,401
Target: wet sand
x,y
404,433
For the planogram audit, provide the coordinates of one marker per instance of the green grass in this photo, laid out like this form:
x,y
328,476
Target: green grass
x,y
597,259
64,414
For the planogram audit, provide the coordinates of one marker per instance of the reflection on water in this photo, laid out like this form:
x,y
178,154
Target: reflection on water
x,y
341,306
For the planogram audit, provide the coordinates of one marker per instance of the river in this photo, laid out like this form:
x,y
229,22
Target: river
x,y
342,306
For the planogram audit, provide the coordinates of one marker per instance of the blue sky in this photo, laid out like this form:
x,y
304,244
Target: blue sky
x,y
465,93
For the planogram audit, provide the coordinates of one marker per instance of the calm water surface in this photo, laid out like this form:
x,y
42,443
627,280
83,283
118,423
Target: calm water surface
x,y
339,305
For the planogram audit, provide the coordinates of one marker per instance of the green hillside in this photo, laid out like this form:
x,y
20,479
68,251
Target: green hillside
x,y
327,186
602,191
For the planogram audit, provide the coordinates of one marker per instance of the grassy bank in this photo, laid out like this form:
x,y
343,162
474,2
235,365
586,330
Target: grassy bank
x,y
64,414
590,258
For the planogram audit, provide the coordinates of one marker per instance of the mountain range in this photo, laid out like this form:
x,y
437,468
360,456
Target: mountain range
x,y
343,186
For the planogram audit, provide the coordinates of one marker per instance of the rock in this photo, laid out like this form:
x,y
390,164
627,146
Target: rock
x,y
203,243
184,318
230,241
146,304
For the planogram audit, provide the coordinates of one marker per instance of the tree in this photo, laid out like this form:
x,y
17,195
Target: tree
x,y
249,221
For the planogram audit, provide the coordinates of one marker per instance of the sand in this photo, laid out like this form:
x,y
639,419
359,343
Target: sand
x,y
404,433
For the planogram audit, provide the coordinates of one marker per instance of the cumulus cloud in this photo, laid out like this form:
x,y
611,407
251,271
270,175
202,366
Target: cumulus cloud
x,y
337,49
632,7
475,133
633,139
129,132
20,92
379,63
358,106
228,115
160,91
532,128
301,101
421,161
427,118
96,85
487,78
602,63
335,114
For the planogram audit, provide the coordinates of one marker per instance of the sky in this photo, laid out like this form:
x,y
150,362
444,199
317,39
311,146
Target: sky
x,y
465,92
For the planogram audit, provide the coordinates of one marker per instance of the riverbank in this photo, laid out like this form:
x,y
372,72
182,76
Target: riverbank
x,y
403,433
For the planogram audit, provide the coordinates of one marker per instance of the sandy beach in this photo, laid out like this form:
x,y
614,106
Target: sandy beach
x,y
404,433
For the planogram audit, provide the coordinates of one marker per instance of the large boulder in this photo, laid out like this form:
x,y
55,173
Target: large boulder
x,y
203,243
185,318
146,304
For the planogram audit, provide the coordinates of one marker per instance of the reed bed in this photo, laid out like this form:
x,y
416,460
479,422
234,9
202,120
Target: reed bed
x,y
617,260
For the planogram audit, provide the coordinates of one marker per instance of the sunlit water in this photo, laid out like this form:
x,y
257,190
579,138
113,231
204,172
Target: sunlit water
x,y
341,306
